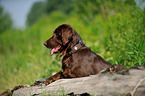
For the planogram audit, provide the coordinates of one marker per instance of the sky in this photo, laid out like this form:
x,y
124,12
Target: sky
x,y
18,9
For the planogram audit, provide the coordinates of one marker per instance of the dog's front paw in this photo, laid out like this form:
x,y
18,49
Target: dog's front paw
x,y
48,81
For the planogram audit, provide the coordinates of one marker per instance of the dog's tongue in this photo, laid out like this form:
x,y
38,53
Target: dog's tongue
x,y
55,49
52,51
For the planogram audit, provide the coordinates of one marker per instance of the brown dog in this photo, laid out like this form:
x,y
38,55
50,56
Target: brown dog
x,y
78,60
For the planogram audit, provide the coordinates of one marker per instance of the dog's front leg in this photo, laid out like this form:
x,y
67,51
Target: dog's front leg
x,y
55,77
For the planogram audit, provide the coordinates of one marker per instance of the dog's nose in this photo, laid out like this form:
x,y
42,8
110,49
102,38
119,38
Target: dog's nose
x,y
45,43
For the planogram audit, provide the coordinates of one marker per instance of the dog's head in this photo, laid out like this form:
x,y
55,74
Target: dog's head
x,y
63,39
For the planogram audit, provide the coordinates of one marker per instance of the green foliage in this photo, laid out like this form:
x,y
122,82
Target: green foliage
x,y
65,6
37,10
88,9
5,21
126,38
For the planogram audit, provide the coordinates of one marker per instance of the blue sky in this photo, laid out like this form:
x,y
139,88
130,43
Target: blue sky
x,y
18,9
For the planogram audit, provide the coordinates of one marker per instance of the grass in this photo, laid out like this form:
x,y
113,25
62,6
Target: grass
x,y
23,58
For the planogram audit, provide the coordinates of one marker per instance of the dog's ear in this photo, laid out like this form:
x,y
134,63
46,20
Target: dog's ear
x,y
67,34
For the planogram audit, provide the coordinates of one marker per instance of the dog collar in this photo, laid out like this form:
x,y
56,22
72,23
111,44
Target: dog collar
x,y
76,47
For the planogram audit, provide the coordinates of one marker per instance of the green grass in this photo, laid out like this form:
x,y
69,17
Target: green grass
x,y
23,58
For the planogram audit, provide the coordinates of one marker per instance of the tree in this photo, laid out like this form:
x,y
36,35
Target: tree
x,y
37,10
65,6
5,21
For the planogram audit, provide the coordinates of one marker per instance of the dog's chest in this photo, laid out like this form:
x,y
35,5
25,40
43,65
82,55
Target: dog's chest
x,y
66,62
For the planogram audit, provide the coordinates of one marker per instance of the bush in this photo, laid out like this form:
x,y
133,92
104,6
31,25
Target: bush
x,y
124,38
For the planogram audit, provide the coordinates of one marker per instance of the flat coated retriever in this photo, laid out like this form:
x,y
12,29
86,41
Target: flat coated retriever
x,y
78,60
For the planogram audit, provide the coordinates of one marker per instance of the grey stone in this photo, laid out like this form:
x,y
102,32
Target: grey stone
x,y
99,84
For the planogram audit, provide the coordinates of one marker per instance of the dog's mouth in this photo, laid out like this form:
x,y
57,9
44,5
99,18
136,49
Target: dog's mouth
x,y
55,50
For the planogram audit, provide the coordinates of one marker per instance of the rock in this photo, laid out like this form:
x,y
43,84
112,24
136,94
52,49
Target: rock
x,y
99,84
